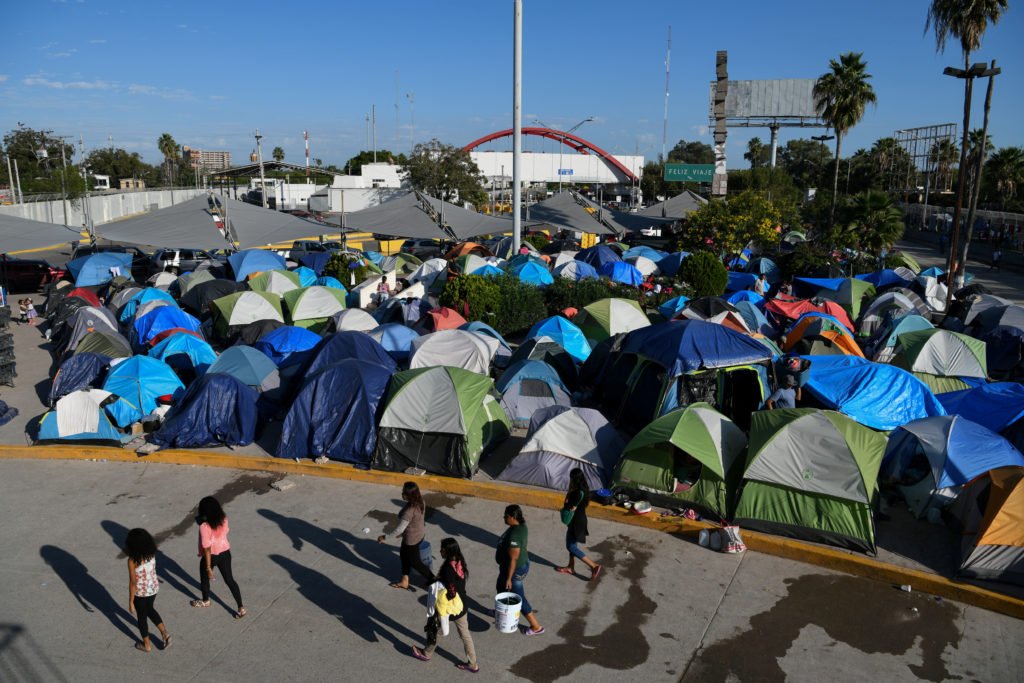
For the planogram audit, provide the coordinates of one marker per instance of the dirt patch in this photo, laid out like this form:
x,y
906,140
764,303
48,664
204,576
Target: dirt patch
x,y
869,616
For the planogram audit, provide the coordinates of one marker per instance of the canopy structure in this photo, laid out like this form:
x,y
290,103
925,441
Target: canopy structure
x,y
21,234
572,211
680,206
687,456
420,216
191,223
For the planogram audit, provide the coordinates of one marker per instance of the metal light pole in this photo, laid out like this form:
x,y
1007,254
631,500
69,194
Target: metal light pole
x,y
412,120
10,178
517,123
17,179
259,158
992,72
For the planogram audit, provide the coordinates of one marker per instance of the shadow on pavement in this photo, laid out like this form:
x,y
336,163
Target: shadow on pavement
x,y
22,659
89,592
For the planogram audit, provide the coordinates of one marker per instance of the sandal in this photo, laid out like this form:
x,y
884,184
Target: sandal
x,y
167,641
240,613
199,603
595,572
464,666
418,654
564,570
141,647
398,585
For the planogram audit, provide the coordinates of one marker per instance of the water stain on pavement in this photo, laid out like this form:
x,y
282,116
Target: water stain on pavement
x,y
622,645
440,501
388,519
869,616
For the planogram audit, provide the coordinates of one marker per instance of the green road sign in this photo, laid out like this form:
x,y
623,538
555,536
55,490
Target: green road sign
x,y
697,173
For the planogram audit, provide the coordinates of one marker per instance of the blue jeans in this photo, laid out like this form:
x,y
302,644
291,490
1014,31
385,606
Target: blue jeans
x,y
570,544
517,586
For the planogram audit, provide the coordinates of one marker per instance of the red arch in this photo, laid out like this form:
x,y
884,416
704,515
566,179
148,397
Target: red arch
x,y
577,143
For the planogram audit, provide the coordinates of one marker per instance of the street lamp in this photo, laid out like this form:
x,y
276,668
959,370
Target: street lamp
x,y
978,70
823,139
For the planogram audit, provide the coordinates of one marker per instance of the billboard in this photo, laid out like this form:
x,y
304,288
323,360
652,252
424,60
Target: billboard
x,y
788,98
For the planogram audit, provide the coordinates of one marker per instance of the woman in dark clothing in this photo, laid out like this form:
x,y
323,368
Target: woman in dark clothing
x,y
412,529
452,576
513,560
576,500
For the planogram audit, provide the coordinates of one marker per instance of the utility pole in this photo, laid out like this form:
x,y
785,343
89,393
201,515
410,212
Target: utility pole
x,y
305,135
412,119
367,132
17,180
85,179
664,125
10,179
259,158
373,111
63,178
992,72
517,123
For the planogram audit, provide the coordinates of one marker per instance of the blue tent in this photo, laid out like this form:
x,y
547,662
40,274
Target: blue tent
x,y
217,410
347,344
995,406
934,271
876,395
819,283
160,320
765,266
328,281
488,271
622,272
884,278
741,259
316,261
504,350
739,281
145,296
335,413
907,323
140,380
646,252
685,346
245,263
307,276
524,258
673,306
565,333
185,351
746,295
81,371
95,269
287,344
374,257
755,319
529,386
249,366
532,273
669,265
396,339
598,256
956,451
576,270
105,411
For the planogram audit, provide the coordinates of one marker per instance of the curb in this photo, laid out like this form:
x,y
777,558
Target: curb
x,y
819,556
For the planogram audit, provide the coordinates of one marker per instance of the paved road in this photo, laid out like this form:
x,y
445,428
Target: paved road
x,y
1007,283
316,589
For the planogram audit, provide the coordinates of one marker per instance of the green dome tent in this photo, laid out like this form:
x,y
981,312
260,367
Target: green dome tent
x,y
607,317
277,282
237,310
811,474
439,419
312,307
686,456
940,357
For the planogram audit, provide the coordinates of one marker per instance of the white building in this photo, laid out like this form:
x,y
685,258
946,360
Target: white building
x,y
347,193
544,167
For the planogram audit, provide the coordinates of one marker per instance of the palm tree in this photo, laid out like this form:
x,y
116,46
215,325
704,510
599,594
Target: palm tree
x,y
974,148
941,158
169,148
876,220
755,153
278,154
840,97
1006,169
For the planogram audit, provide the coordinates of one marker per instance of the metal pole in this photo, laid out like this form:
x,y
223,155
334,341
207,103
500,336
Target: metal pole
x,y
374,109
10,180
976,189
17,179
63,183
561,142
954,242
517,123
775,143
924,219
259,157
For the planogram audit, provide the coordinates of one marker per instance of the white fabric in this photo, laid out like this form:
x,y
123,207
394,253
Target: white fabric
x,y
429,271
566,434
251,307
564,257
454,348
645,265
354,319
79,412
316,302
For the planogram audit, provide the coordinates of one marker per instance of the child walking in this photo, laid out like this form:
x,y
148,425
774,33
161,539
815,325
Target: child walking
x,y
140,548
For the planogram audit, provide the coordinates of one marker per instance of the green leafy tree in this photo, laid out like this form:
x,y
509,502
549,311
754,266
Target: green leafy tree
x,y
704,273
169,148
692,153
728,227
1005,171
505,303
840,96
118,163
758,153
38,157
277,154
876,222
446,172
354,165
805,161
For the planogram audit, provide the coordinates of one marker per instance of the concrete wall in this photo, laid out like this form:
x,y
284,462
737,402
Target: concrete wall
x,y
102,208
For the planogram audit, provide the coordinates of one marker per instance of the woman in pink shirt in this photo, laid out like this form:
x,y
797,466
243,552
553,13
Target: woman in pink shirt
x,y
215,551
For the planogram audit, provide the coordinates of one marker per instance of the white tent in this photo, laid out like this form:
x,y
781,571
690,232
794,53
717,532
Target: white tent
x,y
454,348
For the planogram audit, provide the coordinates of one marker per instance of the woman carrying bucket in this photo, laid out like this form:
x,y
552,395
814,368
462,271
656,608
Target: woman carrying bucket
x,y
514,562
452,576
412,529
574,516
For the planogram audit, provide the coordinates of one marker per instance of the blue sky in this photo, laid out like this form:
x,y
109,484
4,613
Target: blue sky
x,y
210,73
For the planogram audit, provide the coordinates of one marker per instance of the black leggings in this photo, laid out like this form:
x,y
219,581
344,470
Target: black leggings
x,y
222,562
410,555
145,610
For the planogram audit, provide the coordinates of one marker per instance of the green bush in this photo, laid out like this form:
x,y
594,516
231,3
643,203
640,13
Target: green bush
x,y
704,273
538,240
340,266
565,293
504,303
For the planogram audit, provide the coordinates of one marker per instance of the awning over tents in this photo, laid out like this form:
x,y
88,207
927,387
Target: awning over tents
x,y
570,210
21,234
418,215
680,206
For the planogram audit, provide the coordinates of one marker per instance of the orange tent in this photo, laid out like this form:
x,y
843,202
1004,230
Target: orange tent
x,y
438,319
993,529
465,248
814,327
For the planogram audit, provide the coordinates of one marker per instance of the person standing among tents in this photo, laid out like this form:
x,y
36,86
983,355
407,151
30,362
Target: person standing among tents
x,y
997,256
574,516
761,285
513,560
412,529
452,576
215,551
140,548
785,396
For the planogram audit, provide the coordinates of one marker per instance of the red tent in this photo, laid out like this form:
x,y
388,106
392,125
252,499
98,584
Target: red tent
x,y
438,319
794,309
87,294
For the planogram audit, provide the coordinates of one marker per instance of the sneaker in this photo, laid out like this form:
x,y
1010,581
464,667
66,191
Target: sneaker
x,y
531,632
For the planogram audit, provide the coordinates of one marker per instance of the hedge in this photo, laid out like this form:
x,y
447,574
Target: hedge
x,y
504,303
704,273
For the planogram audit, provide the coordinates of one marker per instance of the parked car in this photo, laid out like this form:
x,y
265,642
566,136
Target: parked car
x,y
555,246
180,260
422,249
140,259
28,275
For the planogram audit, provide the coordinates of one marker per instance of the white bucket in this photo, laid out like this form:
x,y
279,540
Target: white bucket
x,y
506,612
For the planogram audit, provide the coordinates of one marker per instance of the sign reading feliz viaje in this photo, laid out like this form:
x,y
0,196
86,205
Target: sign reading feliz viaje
x,y
698,173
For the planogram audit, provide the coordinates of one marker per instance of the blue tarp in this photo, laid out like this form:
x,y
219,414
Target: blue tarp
x,y
673,306
287,344
95,268
347,344
488,271
181,349
307,276
244,263
569,336
145,296
874,394
140,380
622,272
957,449
996,406
328,281
598,256
669,265
81,371
160,320
217,410
746,295
532,274
335,413
739,281
884,278
818,283
396,339
316,261
685,346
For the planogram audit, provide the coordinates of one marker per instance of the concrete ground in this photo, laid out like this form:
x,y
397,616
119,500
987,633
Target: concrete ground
x,y
315,586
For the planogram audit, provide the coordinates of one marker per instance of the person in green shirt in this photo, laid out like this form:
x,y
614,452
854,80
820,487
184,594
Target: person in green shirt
x,y
514,562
